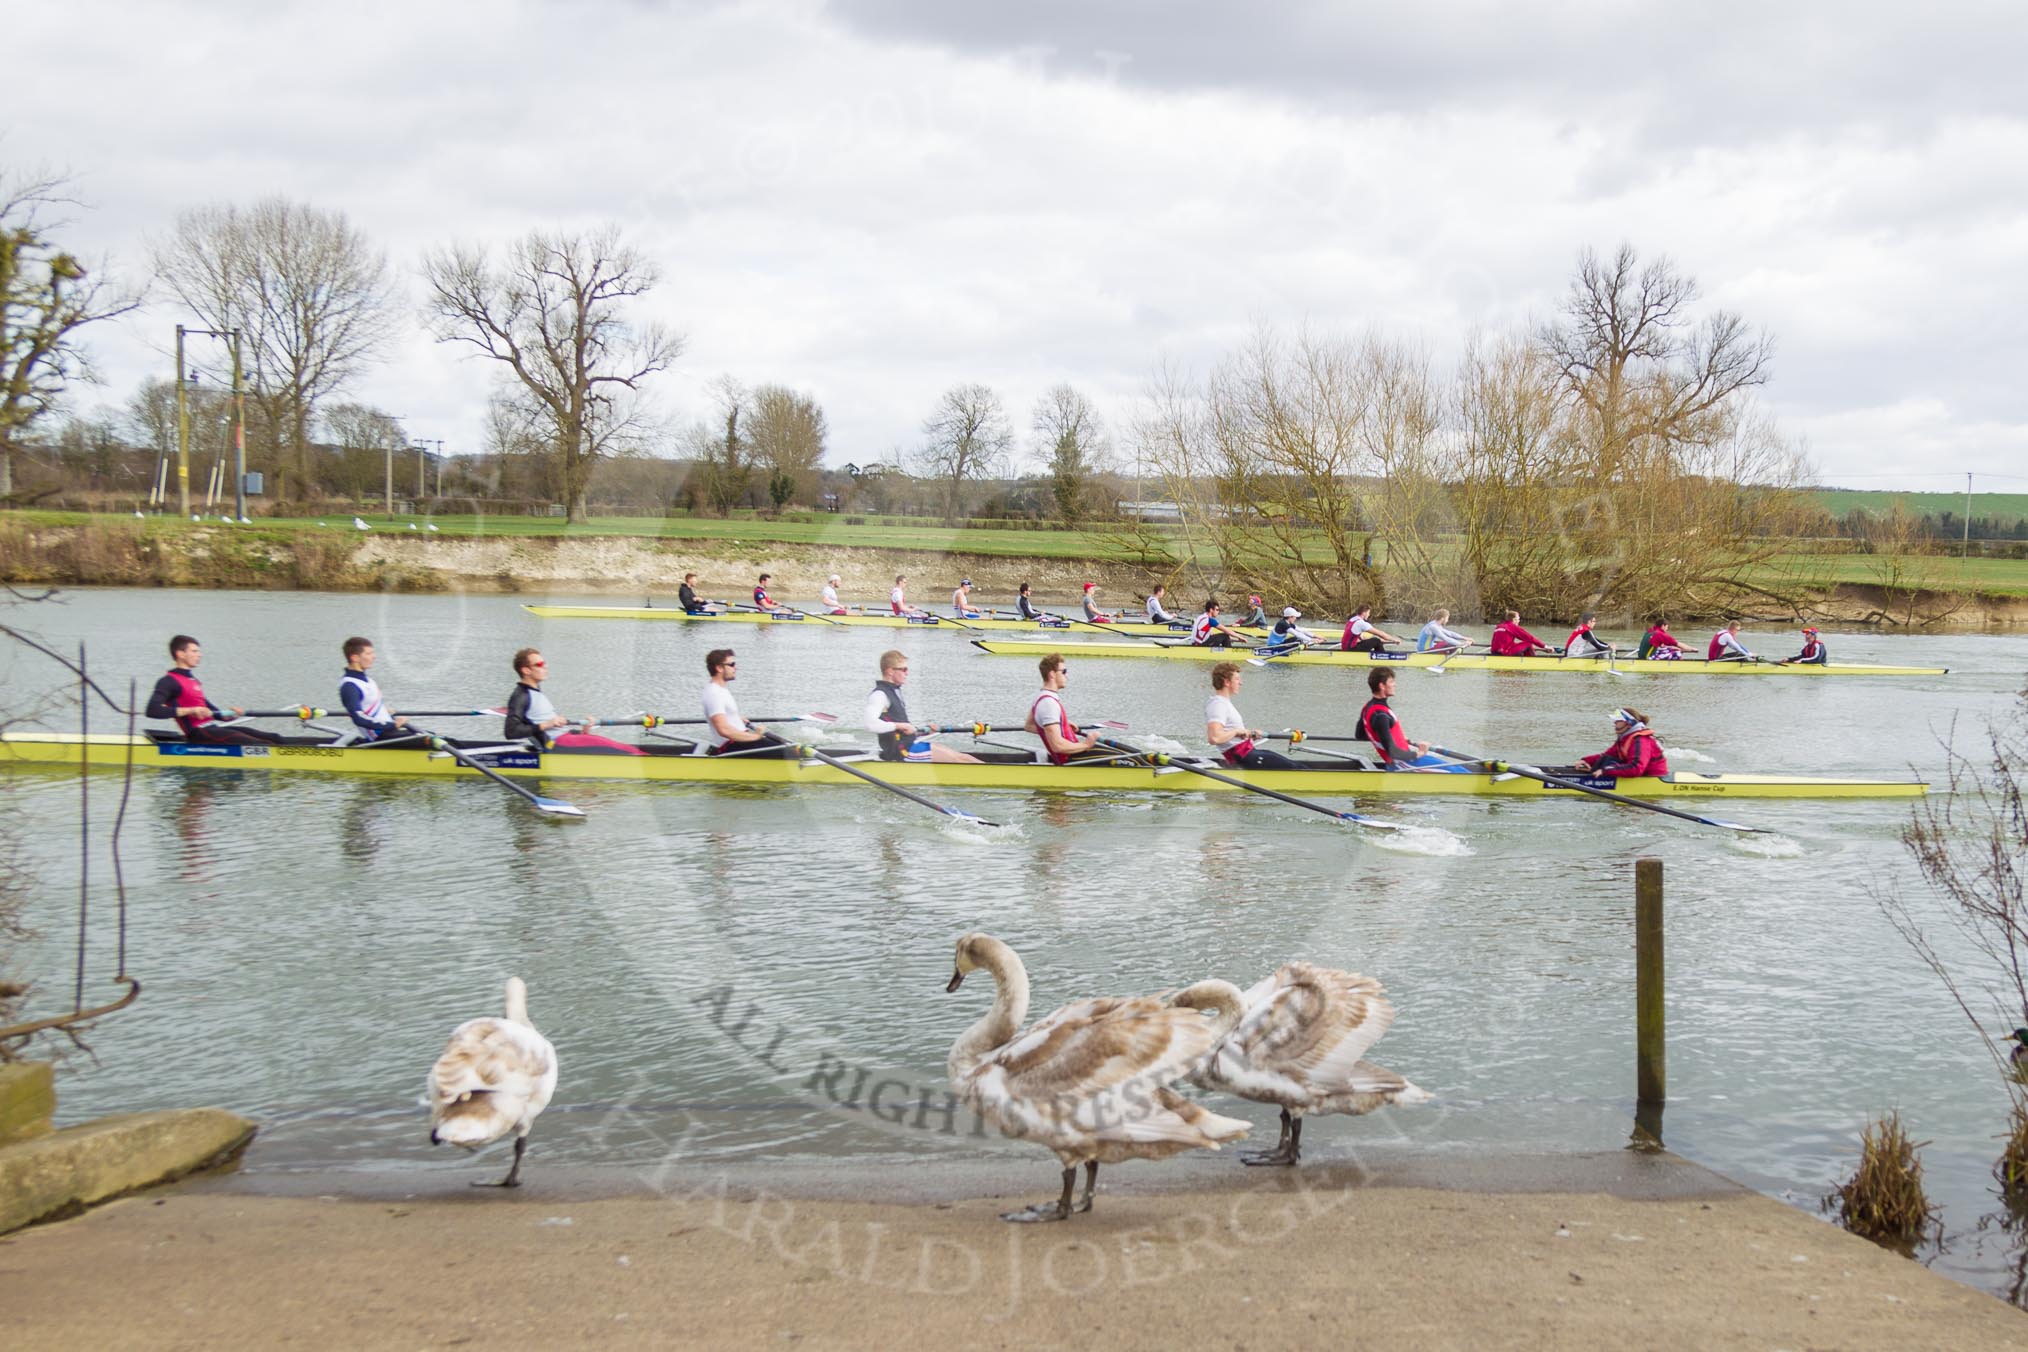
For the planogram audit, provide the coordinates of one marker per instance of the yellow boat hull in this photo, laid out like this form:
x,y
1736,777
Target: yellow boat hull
x,y
112,750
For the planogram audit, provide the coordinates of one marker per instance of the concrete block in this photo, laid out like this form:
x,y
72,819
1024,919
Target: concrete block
x,y
27,1099
66,1171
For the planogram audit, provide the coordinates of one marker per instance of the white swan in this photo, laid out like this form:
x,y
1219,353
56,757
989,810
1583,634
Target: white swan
x,y
495,1076
1298,1046
1091,1081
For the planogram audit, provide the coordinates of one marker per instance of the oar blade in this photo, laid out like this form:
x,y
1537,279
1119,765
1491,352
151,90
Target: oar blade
x,y
555,807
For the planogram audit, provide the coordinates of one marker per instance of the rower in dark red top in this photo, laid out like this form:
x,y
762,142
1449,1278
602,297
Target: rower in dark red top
x,y
1659,645
1378,725
1511,640
1050,720
761,599
1634,754
180,695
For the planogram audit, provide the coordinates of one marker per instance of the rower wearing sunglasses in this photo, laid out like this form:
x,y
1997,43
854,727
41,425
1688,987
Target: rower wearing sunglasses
x,y
740,738
887,718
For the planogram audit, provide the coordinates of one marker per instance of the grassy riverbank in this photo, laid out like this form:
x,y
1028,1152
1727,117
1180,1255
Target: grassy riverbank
x,y
631,553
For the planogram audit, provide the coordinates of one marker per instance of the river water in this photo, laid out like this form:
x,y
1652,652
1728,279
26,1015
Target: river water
x,y
762,974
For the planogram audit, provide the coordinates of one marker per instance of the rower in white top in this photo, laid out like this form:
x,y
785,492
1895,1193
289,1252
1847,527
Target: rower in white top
x,y
1227,731
1438,637
1288,635
887,718
961,602
1208,631
898,598
741,737
1726,646
1157,612
830,597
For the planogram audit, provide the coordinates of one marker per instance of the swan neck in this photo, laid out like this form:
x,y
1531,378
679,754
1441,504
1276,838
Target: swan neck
x,y
998,1024
517,1002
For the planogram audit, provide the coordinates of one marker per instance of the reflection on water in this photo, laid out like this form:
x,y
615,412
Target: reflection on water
x,y
768,970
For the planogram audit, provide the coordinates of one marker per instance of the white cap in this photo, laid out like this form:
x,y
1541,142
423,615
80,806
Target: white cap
x,y
1291,613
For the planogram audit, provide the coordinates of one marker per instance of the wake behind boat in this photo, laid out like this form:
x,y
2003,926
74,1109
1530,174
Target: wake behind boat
x,y
1004,770
1334,657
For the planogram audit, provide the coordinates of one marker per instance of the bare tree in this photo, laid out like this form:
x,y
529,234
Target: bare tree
x,y
1072,442
364,437
308,291
966,440
787,432
1643,377
554,313
47,296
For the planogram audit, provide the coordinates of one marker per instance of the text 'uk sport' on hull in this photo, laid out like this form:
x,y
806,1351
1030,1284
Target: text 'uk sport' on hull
x,y
112,750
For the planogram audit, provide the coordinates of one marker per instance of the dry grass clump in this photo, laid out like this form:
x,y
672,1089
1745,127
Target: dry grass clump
x,y
2012,1170
1884,1200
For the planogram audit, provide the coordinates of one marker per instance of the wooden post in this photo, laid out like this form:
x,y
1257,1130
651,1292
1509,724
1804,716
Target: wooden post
x,y
1651,1059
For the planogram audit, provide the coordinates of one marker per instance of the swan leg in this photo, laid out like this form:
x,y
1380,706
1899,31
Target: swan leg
x,y
1286,1150
513,1179
1090,1184
1058,1210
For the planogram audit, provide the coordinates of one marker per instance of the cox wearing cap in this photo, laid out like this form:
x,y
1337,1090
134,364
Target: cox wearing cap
x,y
1814,653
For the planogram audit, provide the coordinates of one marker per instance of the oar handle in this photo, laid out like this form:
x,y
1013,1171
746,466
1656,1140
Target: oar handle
x,y
302,712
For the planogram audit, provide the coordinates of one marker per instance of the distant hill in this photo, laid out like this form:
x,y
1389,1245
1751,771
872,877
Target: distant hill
x,y
2005,508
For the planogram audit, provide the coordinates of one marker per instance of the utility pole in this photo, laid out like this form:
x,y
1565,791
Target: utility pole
x,y
1965,549
182,431
422,464
238,432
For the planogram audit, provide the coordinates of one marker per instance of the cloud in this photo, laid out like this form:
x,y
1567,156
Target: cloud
x,y
873,201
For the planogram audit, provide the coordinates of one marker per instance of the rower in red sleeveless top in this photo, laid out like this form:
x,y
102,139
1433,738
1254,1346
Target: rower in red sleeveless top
x,y
180,695
1050,720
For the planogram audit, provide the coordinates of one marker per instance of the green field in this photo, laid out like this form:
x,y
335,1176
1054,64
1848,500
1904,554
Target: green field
x,y
1992,506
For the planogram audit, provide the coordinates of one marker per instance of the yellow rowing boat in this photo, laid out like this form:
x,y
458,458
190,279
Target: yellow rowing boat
x,y
305,755
1332,657
870,620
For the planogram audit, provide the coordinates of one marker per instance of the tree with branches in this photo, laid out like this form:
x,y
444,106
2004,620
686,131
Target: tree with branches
x,y
965,440
47,298
786,432
1071,439
555,312
310,294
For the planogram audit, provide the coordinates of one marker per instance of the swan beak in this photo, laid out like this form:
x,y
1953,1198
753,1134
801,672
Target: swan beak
x,y
434,1140
957,980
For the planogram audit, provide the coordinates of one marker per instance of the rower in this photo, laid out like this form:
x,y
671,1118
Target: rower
x,y
1287,634
1438,637
1511,640
829,596
1092,614
1378,725
961,602
532,718
1814,653
898,598
1634,754
1726,647
1583,643
1658,644
1362,635
686,596
180,695
1256,617
1157,612
1206,631
1024,606
761,600
887,717
741,737
1049,720
360,695
1226,730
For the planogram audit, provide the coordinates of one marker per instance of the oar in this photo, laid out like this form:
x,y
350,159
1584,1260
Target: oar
x,y
787,612
981,729
1534,773
959,813
1268,652
304,713
552,807
659,721
1357,819
1436,668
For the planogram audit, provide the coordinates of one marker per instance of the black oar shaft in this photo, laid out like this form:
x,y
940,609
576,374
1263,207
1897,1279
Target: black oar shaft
x,y
1556,781
536,800
1279,797
896,789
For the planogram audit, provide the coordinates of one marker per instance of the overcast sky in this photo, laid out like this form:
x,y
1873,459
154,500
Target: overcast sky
x,y
873,200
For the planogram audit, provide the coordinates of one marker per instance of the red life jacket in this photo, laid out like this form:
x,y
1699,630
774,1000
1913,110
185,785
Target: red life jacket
x,y
1394,744
762,599
1635,756
1064,728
